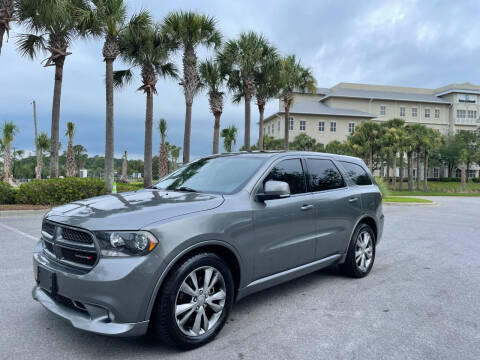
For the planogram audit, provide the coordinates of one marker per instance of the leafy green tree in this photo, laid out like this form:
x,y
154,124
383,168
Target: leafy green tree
x,y
9,131
188,30
149,50
53,27
293,77
108,19
303,142
80,155
229,136
43,144
7,9
393,132
213,79
242,58
365,140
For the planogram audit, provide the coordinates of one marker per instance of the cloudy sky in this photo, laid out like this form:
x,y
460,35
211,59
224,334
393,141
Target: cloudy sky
x,y
408,43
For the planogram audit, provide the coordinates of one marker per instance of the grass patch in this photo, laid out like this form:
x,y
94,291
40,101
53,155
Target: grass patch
x,y
132,186
431,193
403,199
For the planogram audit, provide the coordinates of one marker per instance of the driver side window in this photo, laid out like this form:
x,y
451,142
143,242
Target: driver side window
x,y
291,172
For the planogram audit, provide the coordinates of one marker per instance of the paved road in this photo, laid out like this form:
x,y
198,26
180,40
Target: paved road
x,y
421,301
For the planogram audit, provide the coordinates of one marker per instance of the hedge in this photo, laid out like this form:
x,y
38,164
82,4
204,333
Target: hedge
x,y
59,191
7,193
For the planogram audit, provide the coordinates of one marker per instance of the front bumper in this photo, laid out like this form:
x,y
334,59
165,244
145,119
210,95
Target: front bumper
x,y
110,299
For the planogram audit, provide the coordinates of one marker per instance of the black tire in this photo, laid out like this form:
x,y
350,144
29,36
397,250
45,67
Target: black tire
x,y
164,322
350,266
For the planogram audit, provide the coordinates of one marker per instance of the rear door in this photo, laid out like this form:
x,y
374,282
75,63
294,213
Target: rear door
x,y
284,228
337,206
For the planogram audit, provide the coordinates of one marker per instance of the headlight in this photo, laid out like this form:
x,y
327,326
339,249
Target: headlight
x,y
125,243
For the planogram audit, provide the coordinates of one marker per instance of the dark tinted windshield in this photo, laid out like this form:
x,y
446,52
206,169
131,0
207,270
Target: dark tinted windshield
x,y
222,175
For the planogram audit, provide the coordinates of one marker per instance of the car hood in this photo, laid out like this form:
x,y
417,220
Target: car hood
x,y
132,210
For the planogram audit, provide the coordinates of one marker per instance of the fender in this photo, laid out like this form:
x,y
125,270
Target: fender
x,y
359,220
160,280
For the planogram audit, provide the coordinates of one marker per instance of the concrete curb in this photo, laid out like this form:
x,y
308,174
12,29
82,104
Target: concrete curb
x,y
10,213
411,204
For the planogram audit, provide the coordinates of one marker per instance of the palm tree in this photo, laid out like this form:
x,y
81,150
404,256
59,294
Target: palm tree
x,y
365,139
70,132
53,27
392,135
175,152
242,59
213,78
229,136
188,30
419,138
433,141
149,50
9,130
6,15
267,85
43,144
80,154
163,156
293,77
108,19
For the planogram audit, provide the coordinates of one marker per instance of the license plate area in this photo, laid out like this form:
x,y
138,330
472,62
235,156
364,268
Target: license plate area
x,y
47,280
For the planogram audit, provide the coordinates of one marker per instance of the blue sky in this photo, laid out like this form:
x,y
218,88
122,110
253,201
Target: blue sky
x,y
409,43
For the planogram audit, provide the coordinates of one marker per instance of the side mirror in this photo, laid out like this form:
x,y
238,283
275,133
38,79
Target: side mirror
x,y
274,190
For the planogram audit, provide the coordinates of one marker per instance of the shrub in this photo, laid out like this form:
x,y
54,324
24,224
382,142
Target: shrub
x,y
59,191
382,186
7,193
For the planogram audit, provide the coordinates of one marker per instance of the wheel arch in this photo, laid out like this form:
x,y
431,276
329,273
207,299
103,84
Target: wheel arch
x,y
220,248
366,219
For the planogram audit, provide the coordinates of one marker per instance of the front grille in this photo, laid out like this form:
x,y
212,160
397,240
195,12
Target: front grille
x,y
76,236
69,246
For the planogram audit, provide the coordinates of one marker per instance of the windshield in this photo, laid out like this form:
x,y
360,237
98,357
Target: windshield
x,y
221,175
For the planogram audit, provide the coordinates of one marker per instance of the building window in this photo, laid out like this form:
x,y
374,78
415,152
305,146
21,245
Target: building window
x,y
291,123
414,112
321,126
467,98
264,130
427,113
278,127
402,111
333,126
351,128
382,110
436,173
461,114
472,114
437,114
268,129
303,125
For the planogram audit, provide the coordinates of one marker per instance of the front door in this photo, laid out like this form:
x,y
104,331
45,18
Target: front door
x,y
285,228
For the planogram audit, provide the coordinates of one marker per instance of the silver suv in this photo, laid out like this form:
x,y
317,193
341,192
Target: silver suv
x,y
173,258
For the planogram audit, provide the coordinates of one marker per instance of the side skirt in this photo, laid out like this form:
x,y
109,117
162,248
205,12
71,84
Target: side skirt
x,y
275,279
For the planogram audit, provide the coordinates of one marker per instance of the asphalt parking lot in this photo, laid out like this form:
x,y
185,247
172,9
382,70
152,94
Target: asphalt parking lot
x,y
421,301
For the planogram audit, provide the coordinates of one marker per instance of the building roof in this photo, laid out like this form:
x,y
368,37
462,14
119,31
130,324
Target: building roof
x,y
319,108
385,95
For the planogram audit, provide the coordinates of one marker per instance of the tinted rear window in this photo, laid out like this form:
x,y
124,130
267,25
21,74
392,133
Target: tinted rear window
x,y
324,175
291,172
357,173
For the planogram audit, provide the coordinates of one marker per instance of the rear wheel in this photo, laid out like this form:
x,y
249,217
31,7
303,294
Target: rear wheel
x,y
361,252
195,301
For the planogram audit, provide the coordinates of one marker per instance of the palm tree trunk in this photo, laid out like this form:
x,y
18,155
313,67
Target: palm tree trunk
x,y
382,167
70,159
187,133
463,176
38,169
2,32
261,110
216,132
388,167
425,172
410,170
147,157
394,177
57,94
370,158
248,98
109,126
7,160
162,160
400,186
418,170
286,127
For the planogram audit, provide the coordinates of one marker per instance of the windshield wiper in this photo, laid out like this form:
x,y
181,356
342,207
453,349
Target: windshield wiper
x,y
185,188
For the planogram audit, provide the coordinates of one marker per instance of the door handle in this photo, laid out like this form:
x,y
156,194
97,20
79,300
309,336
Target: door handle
x,y
352,200
306,207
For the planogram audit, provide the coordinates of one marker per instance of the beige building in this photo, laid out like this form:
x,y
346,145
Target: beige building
x,y
332,113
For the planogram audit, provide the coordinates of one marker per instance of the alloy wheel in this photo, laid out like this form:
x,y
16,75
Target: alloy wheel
x,y
364,251
200,301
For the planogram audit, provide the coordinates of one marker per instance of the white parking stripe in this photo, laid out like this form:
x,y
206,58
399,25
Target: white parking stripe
x,y
18,232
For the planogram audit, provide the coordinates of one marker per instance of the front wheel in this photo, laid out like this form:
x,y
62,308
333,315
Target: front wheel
x,y
195,301
360,253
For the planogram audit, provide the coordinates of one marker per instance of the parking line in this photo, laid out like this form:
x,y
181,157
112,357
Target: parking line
x,y
18,232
